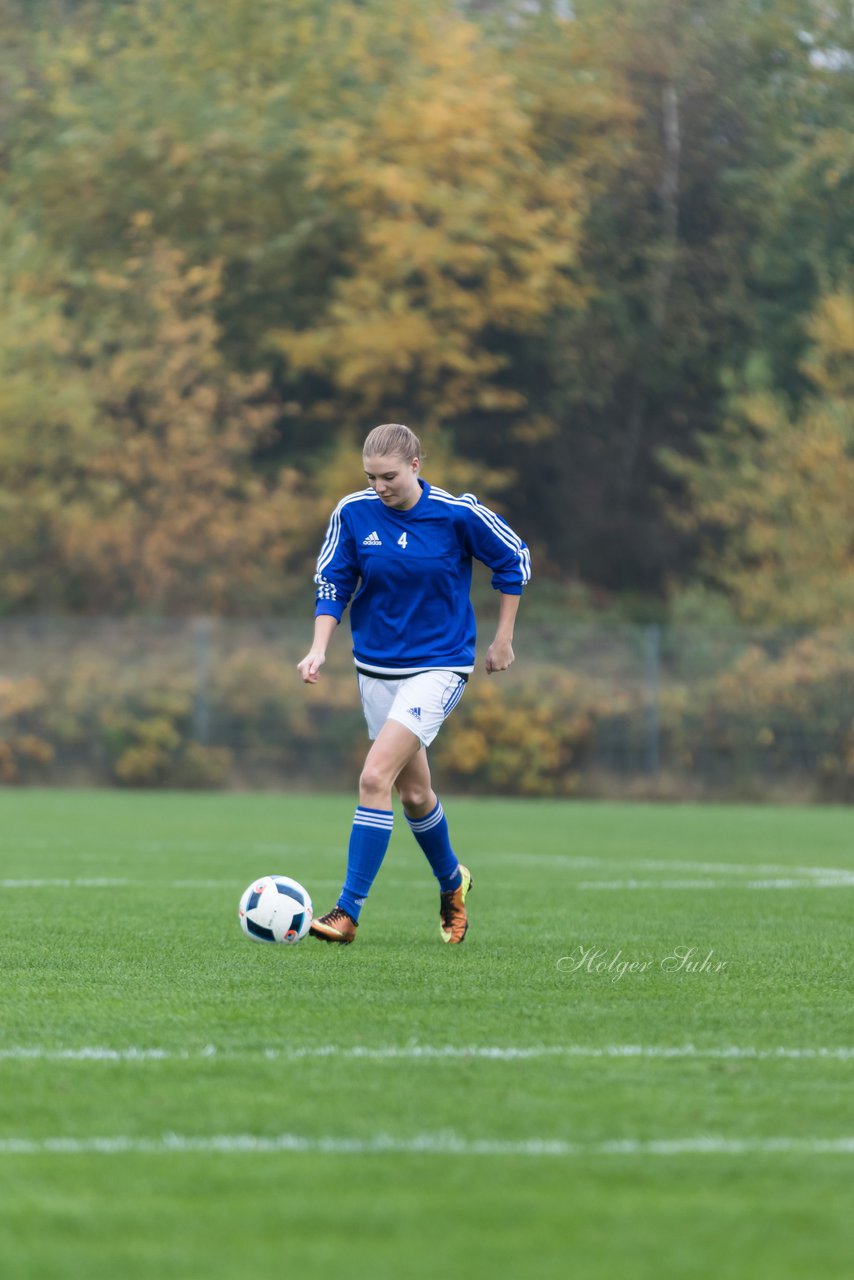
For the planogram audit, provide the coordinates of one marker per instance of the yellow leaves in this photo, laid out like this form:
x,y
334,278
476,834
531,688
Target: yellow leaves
x,y
832,327
21,756
830,364
20,696
371,177
783,490
145,492
23,701
468,752
396,185
34,750
527,739
460,229
108,280
535,430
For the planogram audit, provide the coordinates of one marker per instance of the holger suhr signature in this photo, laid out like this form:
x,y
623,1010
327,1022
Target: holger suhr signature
x,y
681,959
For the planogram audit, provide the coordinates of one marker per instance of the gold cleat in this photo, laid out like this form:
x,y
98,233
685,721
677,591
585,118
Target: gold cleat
x,y
453,921
335,926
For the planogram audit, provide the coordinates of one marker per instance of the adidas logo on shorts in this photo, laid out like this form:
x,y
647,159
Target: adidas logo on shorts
x,y
415,711
373,540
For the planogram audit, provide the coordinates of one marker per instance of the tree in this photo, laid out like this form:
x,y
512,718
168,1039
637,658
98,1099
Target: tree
x,y
128,458
806,234
192,115
703,105
550,242
773,493
47,422
460,233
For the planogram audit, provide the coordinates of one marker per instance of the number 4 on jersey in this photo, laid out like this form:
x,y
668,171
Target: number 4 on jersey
x,y
401,542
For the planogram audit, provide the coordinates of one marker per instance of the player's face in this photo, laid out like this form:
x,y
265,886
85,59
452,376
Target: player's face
x,y
394,480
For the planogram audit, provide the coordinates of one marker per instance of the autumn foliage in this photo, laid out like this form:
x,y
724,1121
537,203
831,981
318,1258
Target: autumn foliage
x,y
599,260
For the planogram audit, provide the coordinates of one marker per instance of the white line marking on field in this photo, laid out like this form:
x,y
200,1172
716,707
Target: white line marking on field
x,y
500,1053
24,1053
79,883
439,1144
811,879
568,862
745,868
124,883
839,880
415,1052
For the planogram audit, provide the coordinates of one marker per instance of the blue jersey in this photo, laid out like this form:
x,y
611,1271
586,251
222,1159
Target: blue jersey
x,y
411,574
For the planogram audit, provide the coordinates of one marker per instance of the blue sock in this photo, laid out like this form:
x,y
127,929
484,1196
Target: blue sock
x,y
368,843
431,832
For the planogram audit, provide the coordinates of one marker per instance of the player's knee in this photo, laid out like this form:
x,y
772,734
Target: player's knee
x,y
374,780
415,796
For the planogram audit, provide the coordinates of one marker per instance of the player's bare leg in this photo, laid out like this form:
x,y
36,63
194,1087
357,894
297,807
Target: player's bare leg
x,y
415,786
395,746
427,822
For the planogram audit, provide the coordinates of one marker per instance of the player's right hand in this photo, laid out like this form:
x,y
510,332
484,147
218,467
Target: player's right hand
x,y
310,666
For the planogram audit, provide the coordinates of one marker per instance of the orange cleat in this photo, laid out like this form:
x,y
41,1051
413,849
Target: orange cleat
x,y
335,926
453,921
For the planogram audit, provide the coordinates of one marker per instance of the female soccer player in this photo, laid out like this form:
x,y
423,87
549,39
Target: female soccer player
x,y
409,547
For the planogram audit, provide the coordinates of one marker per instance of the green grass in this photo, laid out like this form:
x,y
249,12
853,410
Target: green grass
x,y
157,962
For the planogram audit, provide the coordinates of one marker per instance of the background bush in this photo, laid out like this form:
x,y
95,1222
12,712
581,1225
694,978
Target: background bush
x,y
611,709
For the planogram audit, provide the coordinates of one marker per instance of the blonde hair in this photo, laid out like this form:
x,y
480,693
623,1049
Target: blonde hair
x,y
392,438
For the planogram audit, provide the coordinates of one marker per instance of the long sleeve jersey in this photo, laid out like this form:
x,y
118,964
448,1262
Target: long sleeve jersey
x,y
411,575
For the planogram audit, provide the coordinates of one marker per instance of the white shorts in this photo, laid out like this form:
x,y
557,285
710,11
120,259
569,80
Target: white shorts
x,y
421,703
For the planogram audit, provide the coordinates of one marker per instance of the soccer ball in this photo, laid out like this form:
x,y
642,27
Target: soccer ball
x,y
275,909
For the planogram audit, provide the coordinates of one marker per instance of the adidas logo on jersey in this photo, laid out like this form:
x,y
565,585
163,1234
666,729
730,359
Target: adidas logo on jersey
x,y
373,540
415,711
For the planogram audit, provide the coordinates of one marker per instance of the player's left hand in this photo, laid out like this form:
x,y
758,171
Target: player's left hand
x,y
310,666
499,656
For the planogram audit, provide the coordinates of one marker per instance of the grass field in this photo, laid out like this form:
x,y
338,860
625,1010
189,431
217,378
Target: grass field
x,y
638,1065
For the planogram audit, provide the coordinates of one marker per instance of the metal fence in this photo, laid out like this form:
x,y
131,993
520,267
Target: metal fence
x,y
586,709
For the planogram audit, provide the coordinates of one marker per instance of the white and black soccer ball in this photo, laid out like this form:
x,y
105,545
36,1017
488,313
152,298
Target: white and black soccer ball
x,y
275,909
